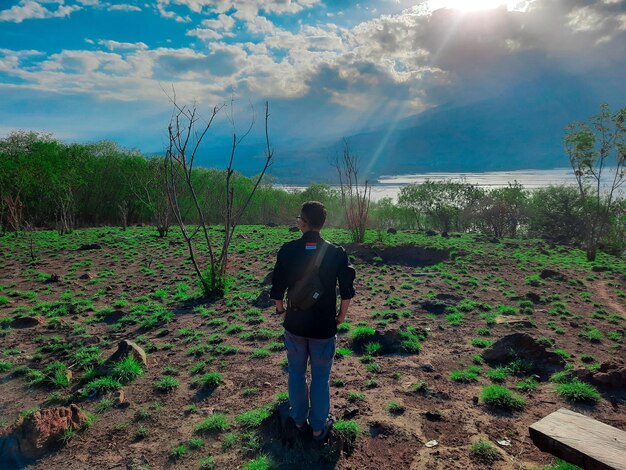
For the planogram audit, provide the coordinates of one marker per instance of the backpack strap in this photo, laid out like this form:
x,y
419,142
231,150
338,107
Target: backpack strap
x,y
320,255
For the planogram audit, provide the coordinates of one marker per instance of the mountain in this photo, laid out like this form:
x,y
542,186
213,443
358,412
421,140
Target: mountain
x,y
521,128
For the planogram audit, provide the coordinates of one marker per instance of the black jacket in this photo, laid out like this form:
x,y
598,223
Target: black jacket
x,y
291,265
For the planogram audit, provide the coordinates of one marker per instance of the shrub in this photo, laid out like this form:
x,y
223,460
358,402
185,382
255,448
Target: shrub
x,y
374,349
496,396
213,424
419,387
578,391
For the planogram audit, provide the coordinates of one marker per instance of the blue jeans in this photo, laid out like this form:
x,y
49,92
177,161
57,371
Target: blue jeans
x,y
321,353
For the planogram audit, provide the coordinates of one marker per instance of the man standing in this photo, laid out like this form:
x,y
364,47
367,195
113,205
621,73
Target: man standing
x,y
310,333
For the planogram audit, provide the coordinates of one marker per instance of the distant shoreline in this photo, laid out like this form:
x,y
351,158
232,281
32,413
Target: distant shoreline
x,y
390,185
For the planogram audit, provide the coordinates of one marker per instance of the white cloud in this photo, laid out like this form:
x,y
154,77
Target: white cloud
x,y
113,45
123,7
30,9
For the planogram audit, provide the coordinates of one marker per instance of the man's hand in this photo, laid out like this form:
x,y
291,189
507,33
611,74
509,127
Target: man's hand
x,y
343,311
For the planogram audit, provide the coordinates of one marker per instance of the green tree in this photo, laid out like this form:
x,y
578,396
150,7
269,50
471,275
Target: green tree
x,y
597,155
446,204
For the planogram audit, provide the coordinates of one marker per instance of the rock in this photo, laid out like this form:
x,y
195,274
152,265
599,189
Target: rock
x,y
350,413
431,233
120,399
552,274
294,229
533,297
271,224
42,431
523,346
87,276
89,246
433,307
514,321
609,375
263,300
53,278
127,347
26,322
445,234
392,231
426,367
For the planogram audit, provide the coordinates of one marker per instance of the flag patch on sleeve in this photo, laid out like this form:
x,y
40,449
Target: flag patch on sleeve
x,y
310,246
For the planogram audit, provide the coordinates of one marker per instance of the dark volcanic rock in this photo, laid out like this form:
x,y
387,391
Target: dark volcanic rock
x,y
392,231
263,300
89,246
523,346
126,348
26,322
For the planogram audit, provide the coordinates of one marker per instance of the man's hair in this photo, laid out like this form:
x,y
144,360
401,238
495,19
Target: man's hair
x,y
314,214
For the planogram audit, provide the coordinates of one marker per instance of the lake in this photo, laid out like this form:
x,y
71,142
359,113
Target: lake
x,y
390,186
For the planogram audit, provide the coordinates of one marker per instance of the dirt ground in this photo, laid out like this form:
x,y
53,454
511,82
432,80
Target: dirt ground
x,y
133,265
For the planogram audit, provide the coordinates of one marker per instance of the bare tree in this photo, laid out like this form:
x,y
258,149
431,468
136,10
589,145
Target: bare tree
x,y
186,131
64,210
14,213
355,196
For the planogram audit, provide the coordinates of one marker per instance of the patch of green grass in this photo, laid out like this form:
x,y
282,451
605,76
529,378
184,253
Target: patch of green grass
x,y
260,353
5,366
496,396
592,334
344,327
353,396
578,391
127,369
481,343
484,452
419,387
166,384
341,352
207,463
253,418
395,408
178,452
499,374
213,424
361,334
260,463
464,376
212,379
562,353
103,384
527,385
373,349
347,430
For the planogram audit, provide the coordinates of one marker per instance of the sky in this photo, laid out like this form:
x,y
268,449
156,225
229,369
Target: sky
x,y
88,70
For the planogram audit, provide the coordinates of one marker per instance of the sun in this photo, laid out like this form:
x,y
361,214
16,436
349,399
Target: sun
x,y
477,5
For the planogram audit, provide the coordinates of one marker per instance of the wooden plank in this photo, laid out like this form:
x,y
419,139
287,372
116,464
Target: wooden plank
x,y
580,440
